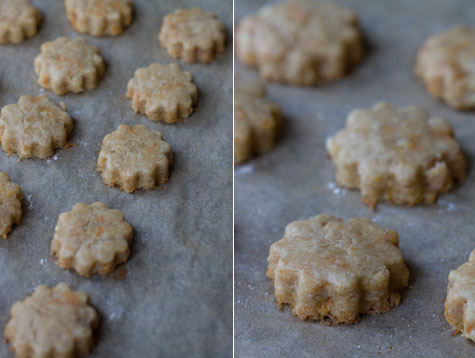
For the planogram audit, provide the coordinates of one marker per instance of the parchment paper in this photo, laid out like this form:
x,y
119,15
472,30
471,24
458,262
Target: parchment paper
x,y
296,181
176,297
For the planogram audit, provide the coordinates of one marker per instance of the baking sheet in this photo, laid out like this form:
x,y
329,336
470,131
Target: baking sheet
x,y
296,181
174,296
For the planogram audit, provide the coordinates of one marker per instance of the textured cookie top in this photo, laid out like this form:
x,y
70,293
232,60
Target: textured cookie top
x,y
18,20
460,302
193,35
256,121
402,155
53,322
300,42
336,251
133,158
69,65
10,204
333,270
99,17
163,93
91,239
34,127
445,63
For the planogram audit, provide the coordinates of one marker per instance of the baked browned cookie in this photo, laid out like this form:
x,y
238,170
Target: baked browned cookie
x,y
69,65
256,121
19,20
397,154
34,127
445,65
460,301
333,270
10,205
193,35
134,158
99,17
91,239
52,323
300,42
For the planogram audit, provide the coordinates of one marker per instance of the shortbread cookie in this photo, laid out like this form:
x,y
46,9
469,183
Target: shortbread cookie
x,y
10,204
460,302
445,65
300,42
163,93
134,158
331,270
69,65
52,323
193,35
256,121
400,155
99,17
91,239
34,127
19,20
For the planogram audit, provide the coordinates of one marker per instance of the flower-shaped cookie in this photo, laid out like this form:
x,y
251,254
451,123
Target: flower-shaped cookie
x,y
400,155
333,270
10,204
300,42
69,65
134,158
99,17
18,20
91,239
51,323
34,127
460,302
445,64
163,93
256,121
193,35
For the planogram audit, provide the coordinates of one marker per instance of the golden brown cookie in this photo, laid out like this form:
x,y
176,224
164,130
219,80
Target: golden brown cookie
x,y
10,205
400,155
91,239
52,323
34,127
69,65
19,20
445,65
193,35
331,270
99,17
256,121
162,93
134,158
460,302
300,42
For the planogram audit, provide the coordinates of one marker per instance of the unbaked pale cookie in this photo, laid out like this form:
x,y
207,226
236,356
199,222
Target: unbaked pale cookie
x,y
52,323
400,155
34,127
300,42
91,239
445,63
19,20
193,35
10,204
163,93
69,65
256,121
134,158
99,17
460,302
331,270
